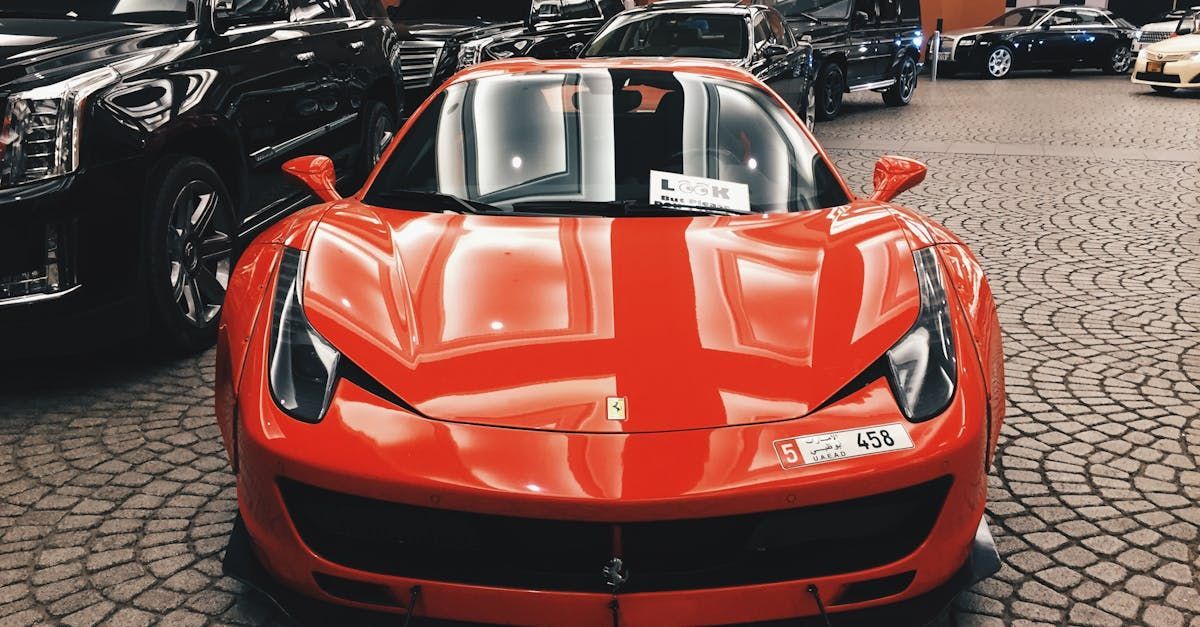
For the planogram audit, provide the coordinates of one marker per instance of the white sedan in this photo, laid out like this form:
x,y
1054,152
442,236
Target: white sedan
x,y
1170,65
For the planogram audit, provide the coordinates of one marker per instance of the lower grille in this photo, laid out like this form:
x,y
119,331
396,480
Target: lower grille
x,y
1157,77
33,260
461,547
418,62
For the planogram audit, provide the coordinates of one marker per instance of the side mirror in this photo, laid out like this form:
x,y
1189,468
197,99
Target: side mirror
x,y
576,49
859,19
774,51
896,175
316,172
212,18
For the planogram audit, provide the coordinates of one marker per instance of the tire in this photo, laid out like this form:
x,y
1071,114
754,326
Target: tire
x,y
191,246
901,93
1120,61
1163,89
378,129
998,63
831,87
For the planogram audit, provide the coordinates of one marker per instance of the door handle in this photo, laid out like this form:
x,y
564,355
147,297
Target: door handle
x,y
357,46
306,57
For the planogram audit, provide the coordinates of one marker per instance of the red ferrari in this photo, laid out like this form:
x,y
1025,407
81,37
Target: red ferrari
x,y
610,343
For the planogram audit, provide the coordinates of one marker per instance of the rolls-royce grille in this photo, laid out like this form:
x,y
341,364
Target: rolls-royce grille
x,y
540,554
418,62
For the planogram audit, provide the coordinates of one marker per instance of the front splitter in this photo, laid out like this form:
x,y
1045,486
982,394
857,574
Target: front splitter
x,y
242,564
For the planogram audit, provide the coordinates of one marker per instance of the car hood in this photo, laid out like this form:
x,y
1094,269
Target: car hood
x,y
451,29
41,47
1184,43
981,30
539,323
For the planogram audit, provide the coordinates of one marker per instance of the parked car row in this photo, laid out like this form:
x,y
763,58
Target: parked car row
x,y
1174,62
142,143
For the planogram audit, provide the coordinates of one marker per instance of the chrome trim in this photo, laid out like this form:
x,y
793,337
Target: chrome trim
x,y
36,298
265,154
876,85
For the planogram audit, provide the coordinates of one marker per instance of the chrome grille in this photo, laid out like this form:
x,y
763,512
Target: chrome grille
x,y
418,62
1153,36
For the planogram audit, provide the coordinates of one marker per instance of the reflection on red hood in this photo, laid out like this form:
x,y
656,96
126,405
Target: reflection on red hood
x,y
535,322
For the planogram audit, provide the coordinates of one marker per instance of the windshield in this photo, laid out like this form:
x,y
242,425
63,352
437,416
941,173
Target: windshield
x,y
477,10
673,35
140,11
603,136
1020,17
820,9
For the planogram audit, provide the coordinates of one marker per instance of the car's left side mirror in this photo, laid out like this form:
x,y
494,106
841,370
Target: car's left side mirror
x,y
317,173
896,175
774,51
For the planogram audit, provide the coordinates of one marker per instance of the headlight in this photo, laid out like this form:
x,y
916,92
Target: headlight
x,y
40,130
922,365
471,52
966,41
507,49
303,365
1137,35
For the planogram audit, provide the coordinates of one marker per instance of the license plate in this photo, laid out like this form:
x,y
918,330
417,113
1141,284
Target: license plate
x,y
1154,67
807,450
943,56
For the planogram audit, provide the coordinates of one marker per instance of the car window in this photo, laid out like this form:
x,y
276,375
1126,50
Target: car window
x,y
1064,18
762,32
611,7
248,11
596,135
1091,18
868,7
484,10
819,9
137,11
889,11
1020,17
910,11
697,35
579,9
779,29
317,10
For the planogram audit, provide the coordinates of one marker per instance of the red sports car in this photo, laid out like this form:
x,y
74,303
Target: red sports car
x,y
610,342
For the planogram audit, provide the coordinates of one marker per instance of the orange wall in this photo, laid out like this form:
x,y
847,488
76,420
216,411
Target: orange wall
x,y
959,13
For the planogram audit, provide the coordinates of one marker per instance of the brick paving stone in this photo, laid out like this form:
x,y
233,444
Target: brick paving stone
x,y
115,497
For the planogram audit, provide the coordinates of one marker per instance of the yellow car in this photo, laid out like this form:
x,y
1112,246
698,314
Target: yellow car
x,y
1171,64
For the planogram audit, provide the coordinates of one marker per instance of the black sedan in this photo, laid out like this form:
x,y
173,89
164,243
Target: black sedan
x,y
752,37
1059,38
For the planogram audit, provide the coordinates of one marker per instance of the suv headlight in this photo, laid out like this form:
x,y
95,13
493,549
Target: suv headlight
x,y
471,52
303,365
40,130
508,48
922,366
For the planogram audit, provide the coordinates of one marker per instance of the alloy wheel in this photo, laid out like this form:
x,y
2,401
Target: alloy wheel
x,y
199,251
1121,60
832,101
381,136
908,80
1000,62
810,110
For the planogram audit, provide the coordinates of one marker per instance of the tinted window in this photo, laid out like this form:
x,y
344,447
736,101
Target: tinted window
x,y
672,35
141,11
611,7
910,11
762,32
255,10
779,30
579,9
595,136
820,9
1020,17
317,9
486,10
889,11
868,7
1064,18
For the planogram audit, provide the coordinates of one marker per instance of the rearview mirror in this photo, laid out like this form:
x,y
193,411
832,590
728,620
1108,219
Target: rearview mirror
x,y
896,175
316,172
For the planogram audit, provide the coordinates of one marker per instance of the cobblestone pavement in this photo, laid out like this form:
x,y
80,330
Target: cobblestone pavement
x,y
115,500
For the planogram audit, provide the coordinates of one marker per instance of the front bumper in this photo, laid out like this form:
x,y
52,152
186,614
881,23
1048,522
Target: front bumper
x,y
1182,74
69,264
368,450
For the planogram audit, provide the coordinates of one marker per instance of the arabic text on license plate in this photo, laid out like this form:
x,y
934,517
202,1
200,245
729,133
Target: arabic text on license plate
x,y
807,450
943,56
1154,67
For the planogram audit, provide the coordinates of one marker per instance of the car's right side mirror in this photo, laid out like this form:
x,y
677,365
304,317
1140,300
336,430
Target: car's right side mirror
x,y
896,175
316,172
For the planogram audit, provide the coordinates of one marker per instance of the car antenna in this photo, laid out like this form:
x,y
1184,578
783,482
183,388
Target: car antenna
x,y
816,594
414,596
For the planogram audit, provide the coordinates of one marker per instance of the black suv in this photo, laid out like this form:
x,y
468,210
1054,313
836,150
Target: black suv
x,y
441,37
860,45
141,143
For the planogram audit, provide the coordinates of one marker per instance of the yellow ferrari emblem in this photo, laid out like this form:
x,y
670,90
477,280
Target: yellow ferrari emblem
x,y
616,408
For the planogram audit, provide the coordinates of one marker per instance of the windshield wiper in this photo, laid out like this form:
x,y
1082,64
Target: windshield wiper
x,y
439,202
808,16
619,208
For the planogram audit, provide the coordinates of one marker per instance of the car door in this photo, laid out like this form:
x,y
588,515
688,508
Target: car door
x,y
864,62
1096,37
1057,39
887,37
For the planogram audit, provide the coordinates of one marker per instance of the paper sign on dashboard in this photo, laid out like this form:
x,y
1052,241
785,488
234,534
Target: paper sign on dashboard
x,y
668,188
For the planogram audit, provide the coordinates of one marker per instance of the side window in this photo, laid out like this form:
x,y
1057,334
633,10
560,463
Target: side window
x,y
779,29
611,7
889,11
1091,18
302,10
868,7
251,11
1065,18
762,32
910,12
579,9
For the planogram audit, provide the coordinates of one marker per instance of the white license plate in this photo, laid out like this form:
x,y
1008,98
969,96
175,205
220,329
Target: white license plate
x,y
807,450
943,56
